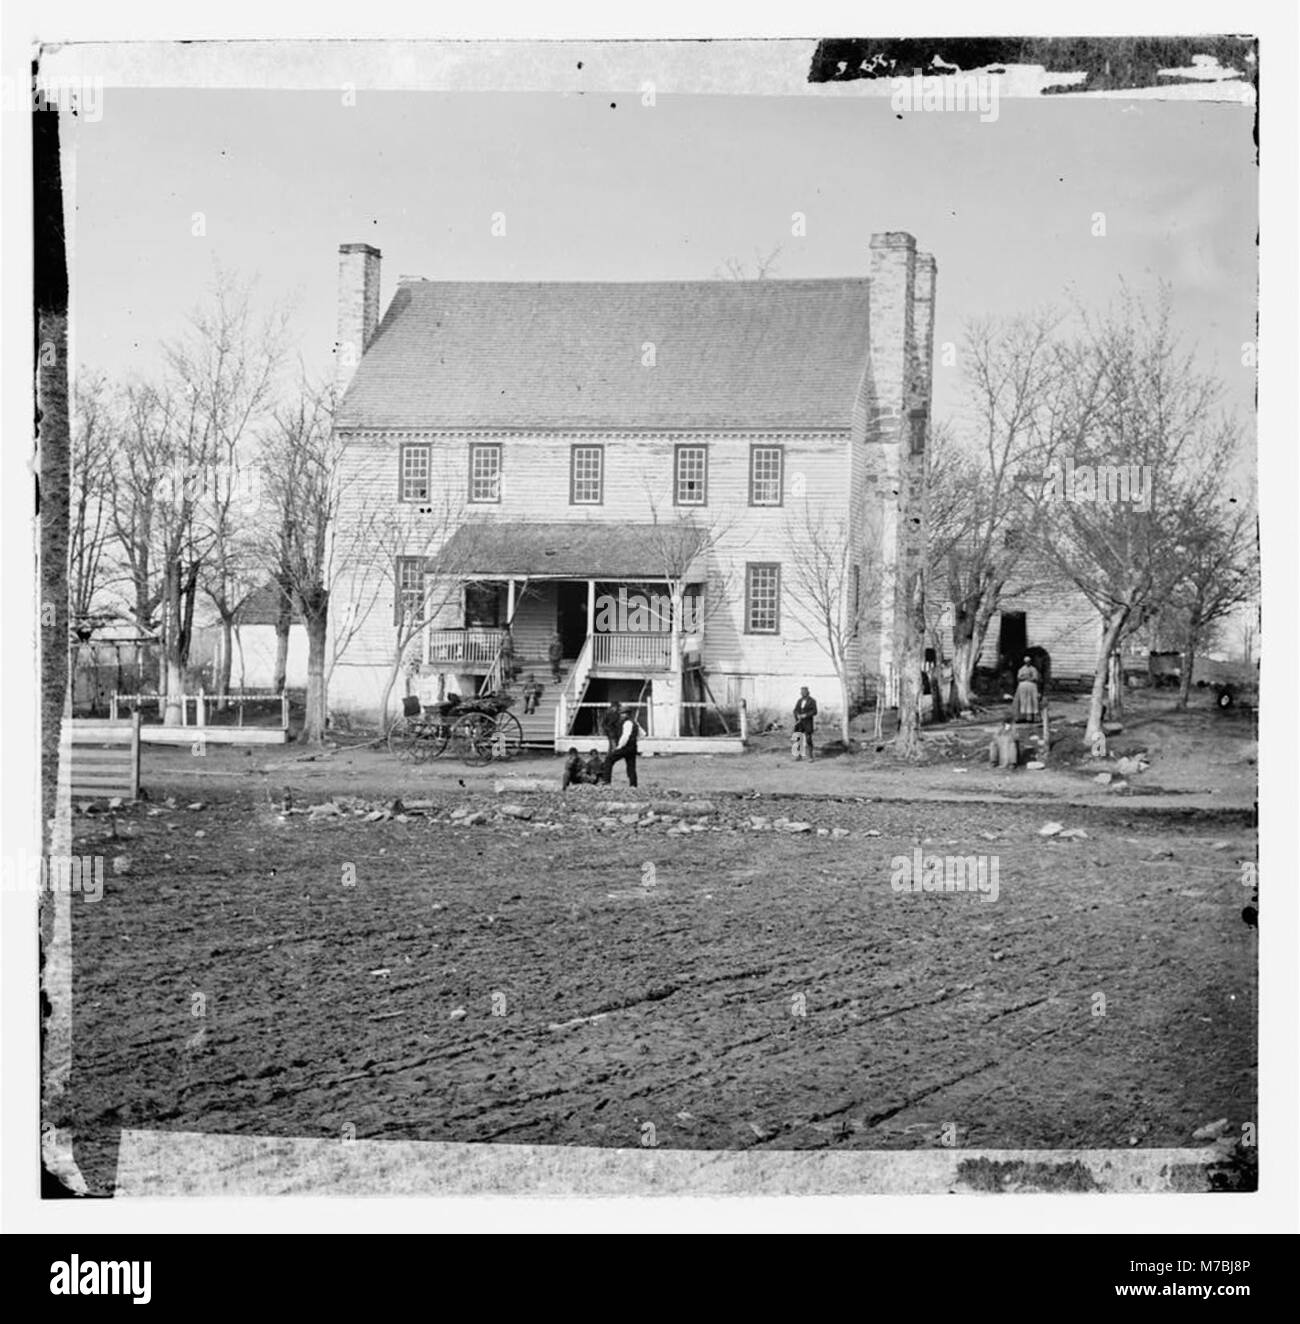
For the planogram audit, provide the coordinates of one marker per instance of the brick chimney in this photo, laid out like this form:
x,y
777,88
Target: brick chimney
x,y
896,400
358,308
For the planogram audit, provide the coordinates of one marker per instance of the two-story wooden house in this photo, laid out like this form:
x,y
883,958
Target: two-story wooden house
x,y
629,468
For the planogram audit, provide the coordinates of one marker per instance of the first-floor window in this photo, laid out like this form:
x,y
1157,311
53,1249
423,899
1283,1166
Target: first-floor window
x,y
413,477
409,603
762,598
485,472
587,478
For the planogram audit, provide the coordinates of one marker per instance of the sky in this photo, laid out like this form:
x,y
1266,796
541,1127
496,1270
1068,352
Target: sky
x,y
599,186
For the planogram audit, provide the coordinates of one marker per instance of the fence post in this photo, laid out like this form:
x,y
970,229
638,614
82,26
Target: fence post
x,y
284,711
135,755
200,714
744,721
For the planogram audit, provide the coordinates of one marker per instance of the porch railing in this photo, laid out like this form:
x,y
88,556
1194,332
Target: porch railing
x,y
478,645
575,686
637,651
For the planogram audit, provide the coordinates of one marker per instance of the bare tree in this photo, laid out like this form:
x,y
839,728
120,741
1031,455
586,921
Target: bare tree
x,y
763,266
978,508
139,471
1133,416
829,599
1218,572
224,370
299,462
90,516
439,548
233,570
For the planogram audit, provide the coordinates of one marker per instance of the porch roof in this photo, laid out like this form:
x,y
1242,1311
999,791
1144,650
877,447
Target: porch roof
x,y
570,551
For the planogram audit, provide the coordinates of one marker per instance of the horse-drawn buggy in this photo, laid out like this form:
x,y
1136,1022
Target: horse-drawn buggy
x,y
476,730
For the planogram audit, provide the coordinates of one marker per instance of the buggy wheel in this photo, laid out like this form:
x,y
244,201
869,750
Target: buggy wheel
x,y
471,737
508,738
436,740
401,739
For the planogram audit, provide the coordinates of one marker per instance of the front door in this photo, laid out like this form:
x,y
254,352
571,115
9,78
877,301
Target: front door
x,y
571,616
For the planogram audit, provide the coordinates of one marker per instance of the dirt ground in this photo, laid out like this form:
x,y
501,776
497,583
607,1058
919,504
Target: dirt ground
x,y
598,974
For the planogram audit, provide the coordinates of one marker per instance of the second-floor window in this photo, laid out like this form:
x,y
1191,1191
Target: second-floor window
x,y
587,476
484,472
409,603
691,479
766,474
413,479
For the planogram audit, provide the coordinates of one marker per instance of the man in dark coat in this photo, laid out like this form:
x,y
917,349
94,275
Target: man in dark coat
x,y
611,725
805,713
625,750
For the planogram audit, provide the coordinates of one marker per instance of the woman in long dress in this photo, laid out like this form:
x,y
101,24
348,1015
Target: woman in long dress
x,y
1026,703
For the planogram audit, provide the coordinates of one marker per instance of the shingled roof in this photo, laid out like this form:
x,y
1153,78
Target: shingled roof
x,y
762,353
570,550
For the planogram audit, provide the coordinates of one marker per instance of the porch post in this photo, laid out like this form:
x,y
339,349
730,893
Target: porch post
x,y
675,591
591,607
510,601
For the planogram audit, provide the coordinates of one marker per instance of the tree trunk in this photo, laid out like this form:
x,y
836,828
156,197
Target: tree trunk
x,y
1110,636
844,705
1185,678
173,714
937,713
963,656
313,732
173,659
968,643
223,674
1188,659
283,620
390,681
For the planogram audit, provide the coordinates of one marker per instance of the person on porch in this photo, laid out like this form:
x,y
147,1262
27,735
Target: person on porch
x,y
555,655
532,694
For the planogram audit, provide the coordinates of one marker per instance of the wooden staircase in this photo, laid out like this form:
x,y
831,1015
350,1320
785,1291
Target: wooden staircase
x,y
539,726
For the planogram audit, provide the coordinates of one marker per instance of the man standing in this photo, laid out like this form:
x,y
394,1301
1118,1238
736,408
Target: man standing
x,y
625,750
611,725
555,655
805,712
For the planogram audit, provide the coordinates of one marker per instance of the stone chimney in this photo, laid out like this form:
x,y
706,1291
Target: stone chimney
x,y
358,308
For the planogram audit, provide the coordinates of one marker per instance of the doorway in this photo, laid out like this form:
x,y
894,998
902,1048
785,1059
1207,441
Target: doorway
x,y
571,615
1013,639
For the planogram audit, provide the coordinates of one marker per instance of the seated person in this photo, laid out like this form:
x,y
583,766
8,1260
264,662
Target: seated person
x,y
574,773
532,694
594,768
1004,748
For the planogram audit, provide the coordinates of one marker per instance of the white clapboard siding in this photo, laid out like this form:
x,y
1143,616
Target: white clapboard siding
x,y
535,474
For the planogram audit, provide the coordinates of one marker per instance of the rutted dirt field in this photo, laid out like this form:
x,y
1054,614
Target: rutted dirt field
x,y
721,988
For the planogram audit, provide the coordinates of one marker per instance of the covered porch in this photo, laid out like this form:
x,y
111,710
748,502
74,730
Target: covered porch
x,y
620,631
